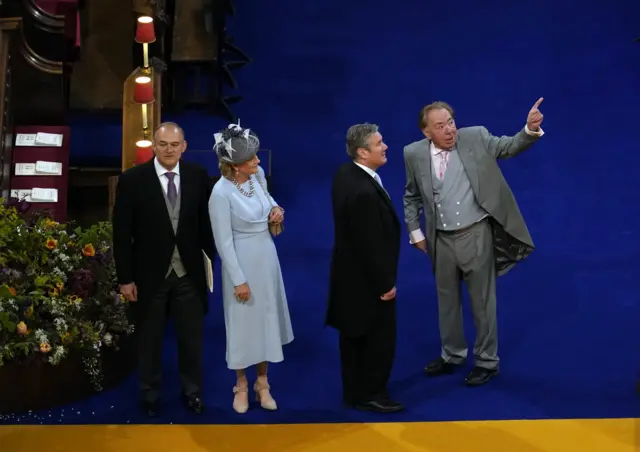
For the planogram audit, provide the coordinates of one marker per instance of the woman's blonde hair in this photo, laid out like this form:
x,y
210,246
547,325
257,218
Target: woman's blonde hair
x,y
226,169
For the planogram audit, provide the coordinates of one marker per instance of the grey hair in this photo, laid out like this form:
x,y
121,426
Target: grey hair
x,y
358,137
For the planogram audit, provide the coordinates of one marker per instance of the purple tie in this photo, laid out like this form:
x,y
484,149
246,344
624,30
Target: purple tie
x,y
172,193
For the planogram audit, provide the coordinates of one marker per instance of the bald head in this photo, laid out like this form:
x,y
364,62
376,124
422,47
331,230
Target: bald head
x,y
169,127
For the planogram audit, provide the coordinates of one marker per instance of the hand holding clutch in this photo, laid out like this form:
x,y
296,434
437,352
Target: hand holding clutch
x,y
276,215
276,218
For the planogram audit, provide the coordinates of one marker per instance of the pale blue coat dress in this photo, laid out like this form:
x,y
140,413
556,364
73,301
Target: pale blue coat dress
x,y
257,329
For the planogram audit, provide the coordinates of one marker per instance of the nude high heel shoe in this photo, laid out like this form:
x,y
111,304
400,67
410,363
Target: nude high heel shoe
x,y
240,406
264,397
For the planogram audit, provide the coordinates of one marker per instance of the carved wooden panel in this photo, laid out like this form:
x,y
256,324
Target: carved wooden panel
x,y
106,56
8,28
192,41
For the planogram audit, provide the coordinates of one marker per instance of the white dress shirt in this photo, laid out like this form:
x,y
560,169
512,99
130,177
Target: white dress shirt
x,y
371,173
161,170
436,158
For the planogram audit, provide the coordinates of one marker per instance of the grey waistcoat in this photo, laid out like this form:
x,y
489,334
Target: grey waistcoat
x,y
456,205
174,213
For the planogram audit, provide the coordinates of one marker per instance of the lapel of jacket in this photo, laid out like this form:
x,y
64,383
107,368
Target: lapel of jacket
x,y
157,198
381,191
424,165
385,196
468,160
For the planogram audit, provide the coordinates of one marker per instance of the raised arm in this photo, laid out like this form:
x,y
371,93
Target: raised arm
x,y
505,147
220,217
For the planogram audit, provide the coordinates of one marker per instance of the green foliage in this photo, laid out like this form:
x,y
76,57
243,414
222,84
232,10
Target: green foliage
x,y
58,290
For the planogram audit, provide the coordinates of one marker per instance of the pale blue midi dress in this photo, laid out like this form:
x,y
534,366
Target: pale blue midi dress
x,y
256,330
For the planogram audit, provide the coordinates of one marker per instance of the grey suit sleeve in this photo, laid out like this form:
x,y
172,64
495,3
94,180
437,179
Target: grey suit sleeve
x,y
412,199
505,147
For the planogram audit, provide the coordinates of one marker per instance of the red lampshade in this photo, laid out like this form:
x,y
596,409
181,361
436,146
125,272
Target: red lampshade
x,y
144,153
143,93
145,31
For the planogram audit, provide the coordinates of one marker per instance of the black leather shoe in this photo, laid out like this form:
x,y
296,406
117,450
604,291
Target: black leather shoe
x,y
194,404
480,375
440,367
380,406
151,409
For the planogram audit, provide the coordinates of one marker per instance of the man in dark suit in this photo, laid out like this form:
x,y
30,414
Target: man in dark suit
x,y
161,227
364,266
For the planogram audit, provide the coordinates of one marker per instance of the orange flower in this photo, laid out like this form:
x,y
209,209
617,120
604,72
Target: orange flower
x,y
12,291
88,250
51,244
66,338
21,329
44,347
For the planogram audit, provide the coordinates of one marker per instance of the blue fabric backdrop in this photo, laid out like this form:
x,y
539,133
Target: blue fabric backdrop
x,y
567,317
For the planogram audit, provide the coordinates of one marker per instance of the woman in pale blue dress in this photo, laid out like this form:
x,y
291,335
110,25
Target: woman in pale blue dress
x,y
256,314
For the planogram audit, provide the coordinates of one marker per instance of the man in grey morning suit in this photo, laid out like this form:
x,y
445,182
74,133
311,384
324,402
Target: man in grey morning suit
x,y
474,229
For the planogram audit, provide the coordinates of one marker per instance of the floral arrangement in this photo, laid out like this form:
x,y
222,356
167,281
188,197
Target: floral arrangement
x,y
58,291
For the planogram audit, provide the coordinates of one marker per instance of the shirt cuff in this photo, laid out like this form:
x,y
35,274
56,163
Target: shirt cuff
x,y
538,133
416,236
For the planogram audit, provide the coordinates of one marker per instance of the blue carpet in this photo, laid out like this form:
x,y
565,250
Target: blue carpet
x,y
568,316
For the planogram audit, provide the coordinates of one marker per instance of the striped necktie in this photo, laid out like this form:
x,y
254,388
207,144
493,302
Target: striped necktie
x,y
172,192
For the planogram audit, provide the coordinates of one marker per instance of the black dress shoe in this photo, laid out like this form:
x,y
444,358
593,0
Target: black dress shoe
x,y
151,409
440,367
380,406
194,404
480,375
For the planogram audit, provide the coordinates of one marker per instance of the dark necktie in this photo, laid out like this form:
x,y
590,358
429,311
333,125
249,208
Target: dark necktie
x,y
172,192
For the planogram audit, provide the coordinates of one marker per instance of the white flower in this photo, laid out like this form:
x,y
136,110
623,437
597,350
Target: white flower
x,y
61,325
58,353
41,336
